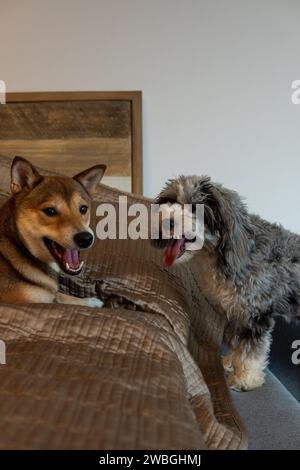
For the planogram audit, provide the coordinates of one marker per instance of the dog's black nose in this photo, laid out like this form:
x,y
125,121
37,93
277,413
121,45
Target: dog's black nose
x,y
83,239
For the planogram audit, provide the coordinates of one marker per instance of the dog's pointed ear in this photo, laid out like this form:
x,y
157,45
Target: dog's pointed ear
x,y
90,178
23,175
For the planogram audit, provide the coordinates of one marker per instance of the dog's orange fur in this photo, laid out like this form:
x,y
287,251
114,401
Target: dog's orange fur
x,y
28,272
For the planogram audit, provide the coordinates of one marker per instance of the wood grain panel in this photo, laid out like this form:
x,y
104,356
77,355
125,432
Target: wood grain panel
x,y
73,155
61,120
70,131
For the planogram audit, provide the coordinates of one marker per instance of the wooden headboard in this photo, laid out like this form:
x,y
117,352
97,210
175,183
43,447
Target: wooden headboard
x,y
70,131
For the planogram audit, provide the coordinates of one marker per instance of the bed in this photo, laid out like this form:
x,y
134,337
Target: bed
x,y
144,372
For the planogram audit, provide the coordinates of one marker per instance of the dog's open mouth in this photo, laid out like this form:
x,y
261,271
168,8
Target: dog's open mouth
x,y
174,250
67,258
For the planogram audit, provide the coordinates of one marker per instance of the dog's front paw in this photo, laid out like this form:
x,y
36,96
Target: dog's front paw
x,y
227,363
93,302
245,381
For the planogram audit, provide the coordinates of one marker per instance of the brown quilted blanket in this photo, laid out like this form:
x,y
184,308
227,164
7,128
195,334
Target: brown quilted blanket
x,y
146,375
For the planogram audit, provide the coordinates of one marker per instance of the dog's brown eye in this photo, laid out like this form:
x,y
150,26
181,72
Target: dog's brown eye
x,y
50,211
83,209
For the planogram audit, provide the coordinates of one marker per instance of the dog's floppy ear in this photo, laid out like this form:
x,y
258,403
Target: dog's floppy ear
x,y
23,175
227,216
90,178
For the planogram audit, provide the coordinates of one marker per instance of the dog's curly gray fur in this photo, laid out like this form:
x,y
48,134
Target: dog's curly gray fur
x,y
251,271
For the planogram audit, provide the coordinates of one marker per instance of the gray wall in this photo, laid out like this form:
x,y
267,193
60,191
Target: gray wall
x,y
216,77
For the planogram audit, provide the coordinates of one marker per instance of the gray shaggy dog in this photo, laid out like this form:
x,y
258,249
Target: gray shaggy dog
x,y
250,270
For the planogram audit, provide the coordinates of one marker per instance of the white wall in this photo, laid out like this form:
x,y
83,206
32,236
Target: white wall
x,y
216,77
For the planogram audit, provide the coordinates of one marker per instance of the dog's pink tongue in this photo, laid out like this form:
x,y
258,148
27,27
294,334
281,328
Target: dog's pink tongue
x,y
71,256
172,251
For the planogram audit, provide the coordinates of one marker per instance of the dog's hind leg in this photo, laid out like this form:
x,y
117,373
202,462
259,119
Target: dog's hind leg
x,y
249,360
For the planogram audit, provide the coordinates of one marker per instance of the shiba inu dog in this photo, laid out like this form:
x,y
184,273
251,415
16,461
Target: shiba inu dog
x,y
43,227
